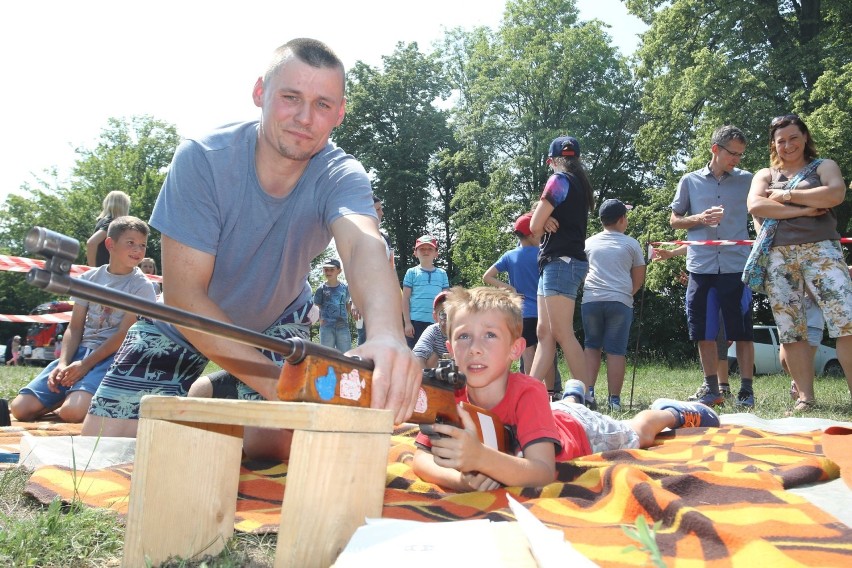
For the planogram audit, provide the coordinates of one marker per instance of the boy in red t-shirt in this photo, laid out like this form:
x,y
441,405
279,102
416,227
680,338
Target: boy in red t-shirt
x,y
484,330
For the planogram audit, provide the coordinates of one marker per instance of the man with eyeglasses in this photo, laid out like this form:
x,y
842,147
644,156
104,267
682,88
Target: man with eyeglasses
x,y
710,204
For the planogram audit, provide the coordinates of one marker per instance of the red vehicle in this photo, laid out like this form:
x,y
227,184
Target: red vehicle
x,y
41,337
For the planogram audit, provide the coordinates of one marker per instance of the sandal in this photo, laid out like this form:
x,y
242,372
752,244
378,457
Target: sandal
x,y
794,391
802,406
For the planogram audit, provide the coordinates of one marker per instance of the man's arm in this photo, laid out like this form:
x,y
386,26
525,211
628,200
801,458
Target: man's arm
x,y
708,217
187,272
375,290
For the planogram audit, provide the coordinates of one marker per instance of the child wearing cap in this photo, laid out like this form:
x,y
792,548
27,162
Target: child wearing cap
x,y
521,265
332,297
562,216
432,345
419,287
616,273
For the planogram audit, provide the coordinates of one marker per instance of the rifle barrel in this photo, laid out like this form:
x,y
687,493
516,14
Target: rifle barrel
x,y
294,349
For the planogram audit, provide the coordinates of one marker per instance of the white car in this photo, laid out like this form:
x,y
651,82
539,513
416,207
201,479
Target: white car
x,y
768,362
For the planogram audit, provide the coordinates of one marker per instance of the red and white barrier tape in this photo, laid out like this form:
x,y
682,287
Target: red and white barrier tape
x,y
61,317
21,264
720,243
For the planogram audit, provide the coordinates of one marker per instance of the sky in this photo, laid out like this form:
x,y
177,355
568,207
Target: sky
x,y
70,66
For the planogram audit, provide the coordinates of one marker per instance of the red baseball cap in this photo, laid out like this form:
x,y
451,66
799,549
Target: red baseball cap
x,y
426,240
522,224
442,296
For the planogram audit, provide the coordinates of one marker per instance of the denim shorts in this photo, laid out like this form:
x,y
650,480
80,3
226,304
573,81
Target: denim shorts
x,y
89,383
607,325
604,432
562,278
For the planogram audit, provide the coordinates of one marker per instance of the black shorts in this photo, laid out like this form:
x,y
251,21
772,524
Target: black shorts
x,y
529,331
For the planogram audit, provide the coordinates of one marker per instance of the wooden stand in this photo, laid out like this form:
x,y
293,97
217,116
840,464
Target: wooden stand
x,y
183,492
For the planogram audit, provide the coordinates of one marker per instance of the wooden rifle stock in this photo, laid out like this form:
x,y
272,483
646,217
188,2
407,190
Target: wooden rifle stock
x,y
312,373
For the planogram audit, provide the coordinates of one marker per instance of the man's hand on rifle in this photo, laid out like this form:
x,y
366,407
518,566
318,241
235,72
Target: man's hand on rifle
x,y
396,374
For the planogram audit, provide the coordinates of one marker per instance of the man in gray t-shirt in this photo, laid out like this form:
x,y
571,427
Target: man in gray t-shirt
x,y
710,204
242,213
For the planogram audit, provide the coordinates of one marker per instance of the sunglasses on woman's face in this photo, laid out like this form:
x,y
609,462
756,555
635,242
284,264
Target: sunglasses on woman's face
x,y
784,118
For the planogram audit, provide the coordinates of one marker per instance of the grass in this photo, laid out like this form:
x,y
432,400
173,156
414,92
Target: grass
x,y
78,537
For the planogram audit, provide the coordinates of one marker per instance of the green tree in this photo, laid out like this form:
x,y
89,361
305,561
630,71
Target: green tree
x,y
542,74
394,127
482,224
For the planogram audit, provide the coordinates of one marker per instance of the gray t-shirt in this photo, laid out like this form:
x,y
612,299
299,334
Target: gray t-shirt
x,y
212,201
102,321
698,191
612,256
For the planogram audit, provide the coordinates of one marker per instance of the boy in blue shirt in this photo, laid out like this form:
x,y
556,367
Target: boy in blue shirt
x,y
334,303
419,287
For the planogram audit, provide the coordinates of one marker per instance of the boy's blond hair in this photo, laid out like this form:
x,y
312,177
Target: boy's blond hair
x,y
485,299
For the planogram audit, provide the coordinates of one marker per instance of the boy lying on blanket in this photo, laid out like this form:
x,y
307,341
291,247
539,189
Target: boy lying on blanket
x,y
484,330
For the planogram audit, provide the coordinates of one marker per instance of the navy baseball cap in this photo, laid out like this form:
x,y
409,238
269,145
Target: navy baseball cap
x,y
564,146
612,210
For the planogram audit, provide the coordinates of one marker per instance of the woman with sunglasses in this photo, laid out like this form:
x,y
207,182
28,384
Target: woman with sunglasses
x,y
799,190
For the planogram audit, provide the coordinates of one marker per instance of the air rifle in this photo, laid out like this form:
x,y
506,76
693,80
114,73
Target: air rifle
x,y
312,372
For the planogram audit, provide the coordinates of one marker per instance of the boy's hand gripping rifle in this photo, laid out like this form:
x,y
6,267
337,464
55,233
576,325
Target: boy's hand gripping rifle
x,y
312,373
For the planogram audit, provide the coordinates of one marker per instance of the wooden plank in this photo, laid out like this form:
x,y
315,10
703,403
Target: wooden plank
x,y
334,481
183,491
268,414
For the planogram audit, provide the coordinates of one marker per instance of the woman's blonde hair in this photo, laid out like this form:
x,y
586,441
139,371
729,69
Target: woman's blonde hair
x,y
116,204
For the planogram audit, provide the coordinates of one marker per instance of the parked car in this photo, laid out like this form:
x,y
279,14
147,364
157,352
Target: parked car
x,y
767,359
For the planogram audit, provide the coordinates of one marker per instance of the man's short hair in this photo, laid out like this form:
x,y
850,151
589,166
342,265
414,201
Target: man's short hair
x,y
727,133
485,299
120,225
311,51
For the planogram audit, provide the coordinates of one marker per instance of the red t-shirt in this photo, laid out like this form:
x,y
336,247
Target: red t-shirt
x,y
526,414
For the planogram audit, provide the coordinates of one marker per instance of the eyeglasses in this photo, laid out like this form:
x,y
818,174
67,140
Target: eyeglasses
x,y
784,118
734,154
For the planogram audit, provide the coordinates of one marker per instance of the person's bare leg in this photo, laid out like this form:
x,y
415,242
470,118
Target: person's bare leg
x,y
593,365
528,357
201,388
75,406
559,314
800,363
649,423
844,355
267,444
109,427
542,363
27,408
707,355
616,366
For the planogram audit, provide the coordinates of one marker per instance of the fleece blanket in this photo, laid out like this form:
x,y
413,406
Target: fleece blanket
x,y
10,437
720,495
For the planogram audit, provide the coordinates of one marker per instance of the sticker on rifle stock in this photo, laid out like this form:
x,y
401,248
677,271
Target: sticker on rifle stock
x,y
325,384
352,385
422,402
